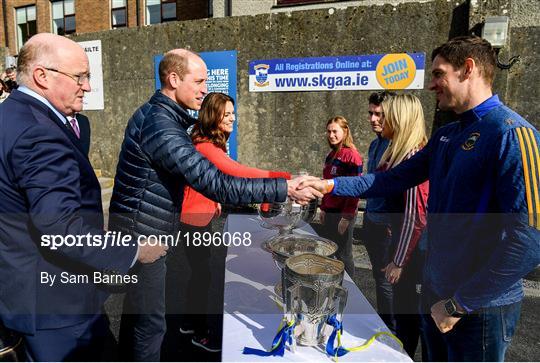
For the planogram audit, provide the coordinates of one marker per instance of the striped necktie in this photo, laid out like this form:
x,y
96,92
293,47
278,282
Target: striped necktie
x,y
75,126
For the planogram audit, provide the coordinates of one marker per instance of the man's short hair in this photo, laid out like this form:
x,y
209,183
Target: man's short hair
x,y
174,61
376,98
458,49
30,55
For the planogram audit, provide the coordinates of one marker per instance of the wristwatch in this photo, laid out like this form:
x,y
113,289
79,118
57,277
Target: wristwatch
x,y
451,309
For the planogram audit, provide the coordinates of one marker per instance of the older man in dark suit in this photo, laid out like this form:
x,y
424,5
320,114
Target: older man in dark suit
x,y
50,292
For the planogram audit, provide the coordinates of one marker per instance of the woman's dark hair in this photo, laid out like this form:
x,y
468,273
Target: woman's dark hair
x,y
210,116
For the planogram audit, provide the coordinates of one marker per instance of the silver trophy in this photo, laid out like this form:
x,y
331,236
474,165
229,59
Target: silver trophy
x,y
284,246
287,216
312,293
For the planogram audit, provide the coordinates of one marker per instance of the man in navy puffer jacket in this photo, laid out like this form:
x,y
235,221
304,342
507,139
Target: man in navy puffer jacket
x,y
156,160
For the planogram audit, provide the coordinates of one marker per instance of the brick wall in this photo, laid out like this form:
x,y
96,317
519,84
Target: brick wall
x,y
132,13
2,25
91,16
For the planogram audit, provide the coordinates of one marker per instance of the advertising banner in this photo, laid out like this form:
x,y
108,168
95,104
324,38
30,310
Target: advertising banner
x,y
360,72
222,77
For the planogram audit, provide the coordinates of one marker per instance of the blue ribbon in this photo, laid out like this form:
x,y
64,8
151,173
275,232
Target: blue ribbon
x,y
283,336
338,328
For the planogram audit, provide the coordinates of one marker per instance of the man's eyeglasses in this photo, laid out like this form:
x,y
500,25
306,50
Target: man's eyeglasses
x,y
79,78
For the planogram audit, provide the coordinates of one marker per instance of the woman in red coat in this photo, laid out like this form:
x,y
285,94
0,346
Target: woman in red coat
x,y
210,135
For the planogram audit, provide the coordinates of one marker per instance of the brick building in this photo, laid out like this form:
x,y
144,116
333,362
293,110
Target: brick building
x,y
21,19
24,18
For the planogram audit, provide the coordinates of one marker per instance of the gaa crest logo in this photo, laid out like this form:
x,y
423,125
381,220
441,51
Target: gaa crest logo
x,y
469,143
261,75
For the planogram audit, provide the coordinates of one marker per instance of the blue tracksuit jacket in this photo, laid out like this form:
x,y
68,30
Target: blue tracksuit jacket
x,y
483,208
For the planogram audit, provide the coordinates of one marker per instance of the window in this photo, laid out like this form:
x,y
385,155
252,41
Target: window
x,y
160,11
118,13
26,24
63,15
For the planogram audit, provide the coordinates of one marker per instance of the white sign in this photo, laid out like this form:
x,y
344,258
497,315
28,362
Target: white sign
x,y
94,99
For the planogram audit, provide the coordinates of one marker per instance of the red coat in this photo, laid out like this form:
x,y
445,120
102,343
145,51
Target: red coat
x,y
197,210
347,162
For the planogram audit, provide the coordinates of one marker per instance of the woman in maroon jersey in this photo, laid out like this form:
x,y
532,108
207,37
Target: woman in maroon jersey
x,y
338,214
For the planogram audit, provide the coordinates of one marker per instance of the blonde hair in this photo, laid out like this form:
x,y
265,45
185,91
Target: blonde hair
x,y
404,115
347,137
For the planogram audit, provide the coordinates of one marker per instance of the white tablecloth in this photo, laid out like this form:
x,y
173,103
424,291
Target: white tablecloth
x,y
252,314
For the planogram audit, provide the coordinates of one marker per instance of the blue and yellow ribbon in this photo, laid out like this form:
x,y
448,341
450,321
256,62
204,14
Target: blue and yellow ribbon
x,y
283,337
340,350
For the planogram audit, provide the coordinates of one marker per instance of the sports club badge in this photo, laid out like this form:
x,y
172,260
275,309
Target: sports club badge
x,y
261,75
469,143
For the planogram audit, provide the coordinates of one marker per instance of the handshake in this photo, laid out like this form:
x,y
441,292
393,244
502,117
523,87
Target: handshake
x,y
304,188
301,189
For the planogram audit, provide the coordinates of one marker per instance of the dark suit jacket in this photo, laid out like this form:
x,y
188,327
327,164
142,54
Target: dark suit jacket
x,y
84,126
47,187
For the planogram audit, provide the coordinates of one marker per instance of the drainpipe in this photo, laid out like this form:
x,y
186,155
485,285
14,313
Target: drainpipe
x,y
4,11
137,10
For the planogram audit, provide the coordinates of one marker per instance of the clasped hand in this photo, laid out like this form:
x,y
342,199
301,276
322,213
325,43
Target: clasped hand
x,y
150,250
304,195
314,183
392,273
444,322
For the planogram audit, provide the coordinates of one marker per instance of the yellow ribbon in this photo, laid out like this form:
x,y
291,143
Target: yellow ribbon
x,y
367,343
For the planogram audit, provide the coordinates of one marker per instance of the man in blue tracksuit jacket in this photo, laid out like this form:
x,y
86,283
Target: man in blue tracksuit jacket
x,y
483,208
376,225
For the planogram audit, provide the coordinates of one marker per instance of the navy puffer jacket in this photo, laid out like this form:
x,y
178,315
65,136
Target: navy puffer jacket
x,y
157,159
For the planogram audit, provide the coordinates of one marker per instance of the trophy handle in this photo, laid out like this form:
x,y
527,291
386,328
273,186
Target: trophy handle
x,y
341,295
290,307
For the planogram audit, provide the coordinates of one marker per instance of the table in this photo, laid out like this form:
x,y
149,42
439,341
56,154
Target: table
x,y
252,314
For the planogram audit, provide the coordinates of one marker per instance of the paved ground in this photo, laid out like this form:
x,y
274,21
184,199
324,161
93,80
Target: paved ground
x,y
525,345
